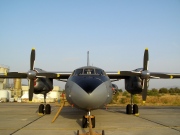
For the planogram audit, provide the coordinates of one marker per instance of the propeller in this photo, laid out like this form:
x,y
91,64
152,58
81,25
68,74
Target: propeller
x,y
145,75
31,74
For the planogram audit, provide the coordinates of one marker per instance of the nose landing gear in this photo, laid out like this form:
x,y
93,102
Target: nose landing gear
x,y
89,120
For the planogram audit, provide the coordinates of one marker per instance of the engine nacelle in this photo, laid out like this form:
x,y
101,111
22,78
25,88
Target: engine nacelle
x,y
42,85
134,84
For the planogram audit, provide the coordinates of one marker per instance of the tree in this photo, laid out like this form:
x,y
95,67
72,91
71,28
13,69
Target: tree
x,y
120,90
171,90
177,90
163,90
153,92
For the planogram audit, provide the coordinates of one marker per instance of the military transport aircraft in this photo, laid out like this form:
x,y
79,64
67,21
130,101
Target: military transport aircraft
x,y
89,87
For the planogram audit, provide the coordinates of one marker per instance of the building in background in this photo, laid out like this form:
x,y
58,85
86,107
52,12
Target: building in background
x,y
17,89
52,96
5,93
4,83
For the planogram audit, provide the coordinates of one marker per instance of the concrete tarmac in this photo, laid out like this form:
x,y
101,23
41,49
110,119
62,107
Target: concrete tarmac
x,y
22,119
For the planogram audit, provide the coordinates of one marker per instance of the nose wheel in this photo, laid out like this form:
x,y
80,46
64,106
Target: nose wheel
x,y
85,121
89,120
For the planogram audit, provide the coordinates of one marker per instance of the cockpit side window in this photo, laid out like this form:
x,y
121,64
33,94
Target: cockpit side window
x,y
73,73
89,71
104,73
99,72
78,72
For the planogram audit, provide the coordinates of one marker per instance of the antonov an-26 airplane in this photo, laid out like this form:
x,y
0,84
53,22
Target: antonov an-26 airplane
x,y
89,87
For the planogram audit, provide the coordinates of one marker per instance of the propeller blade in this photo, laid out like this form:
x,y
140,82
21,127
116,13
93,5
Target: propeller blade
x,y
31,74
32,59
31,89
143,84
145,75
144,90
146,59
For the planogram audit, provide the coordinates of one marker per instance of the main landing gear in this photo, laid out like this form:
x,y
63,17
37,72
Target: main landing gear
x,y
89,120
132,108
44,108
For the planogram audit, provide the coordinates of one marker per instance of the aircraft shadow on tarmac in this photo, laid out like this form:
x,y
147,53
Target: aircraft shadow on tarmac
x,y
115,110
73,113
76,114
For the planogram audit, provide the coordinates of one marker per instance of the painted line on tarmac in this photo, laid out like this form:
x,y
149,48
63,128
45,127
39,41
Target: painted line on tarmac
x,y
171,127
40,116
27,124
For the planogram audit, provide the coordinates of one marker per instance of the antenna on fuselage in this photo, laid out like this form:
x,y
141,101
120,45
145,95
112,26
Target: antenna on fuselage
x,y
88,58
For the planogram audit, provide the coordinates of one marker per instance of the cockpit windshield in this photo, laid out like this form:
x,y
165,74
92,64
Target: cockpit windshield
x,y
88,71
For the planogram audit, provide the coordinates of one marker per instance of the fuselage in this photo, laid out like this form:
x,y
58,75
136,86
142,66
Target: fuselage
x,y
88,88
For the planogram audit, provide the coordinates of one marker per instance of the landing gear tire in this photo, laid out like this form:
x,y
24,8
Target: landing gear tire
x,y
135,109
41,108
48,109
77,132
128,109
84,122
103,133
93,121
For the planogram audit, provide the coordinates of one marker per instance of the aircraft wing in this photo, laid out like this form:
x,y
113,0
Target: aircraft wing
x,y
158,75
13,75
175,75
121,74
52,75
55,75
141,74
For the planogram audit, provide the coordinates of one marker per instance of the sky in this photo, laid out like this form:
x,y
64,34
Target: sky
x,y
115,32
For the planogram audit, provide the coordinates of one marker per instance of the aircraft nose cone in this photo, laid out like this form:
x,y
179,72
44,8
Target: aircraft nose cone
x,y
89,84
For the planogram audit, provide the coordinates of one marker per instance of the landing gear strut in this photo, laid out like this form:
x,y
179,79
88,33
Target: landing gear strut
x,y
132,108
44,108
85,121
